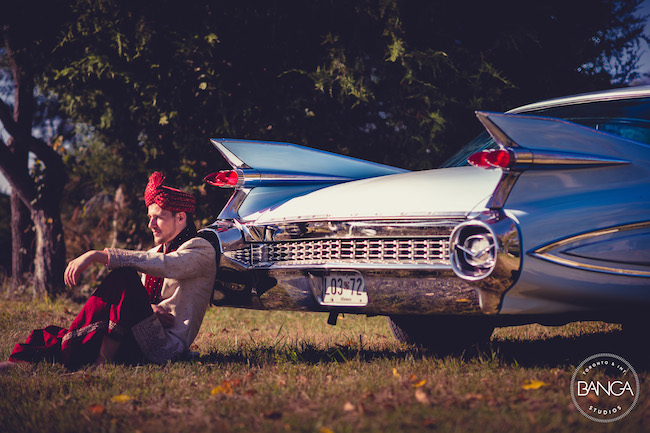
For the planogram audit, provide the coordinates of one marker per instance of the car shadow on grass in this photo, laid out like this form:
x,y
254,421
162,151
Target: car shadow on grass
x,y
564,351
552,352
306,353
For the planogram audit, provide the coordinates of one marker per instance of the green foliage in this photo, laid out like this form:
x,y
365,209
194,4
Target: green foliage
x,y
362,77
392,81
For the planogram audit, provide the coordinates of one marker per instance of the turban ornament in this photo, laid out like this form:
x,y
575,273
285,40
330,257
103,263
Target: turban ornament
x,y
171,199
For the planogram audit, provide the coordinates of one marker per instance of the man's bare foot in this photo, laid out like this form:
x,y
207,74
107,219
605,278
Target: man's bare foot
x,y
6,365
107,351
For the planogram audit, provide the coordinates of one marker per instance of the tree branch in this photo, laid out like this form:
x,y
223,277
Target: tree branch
x,y
40,148
19,180
7,118
45,153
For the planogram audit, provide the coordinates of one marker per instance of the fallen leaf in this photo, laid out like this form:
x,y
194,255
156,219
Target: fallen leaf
x,y
533,384
348,407
122,398
227,386
395,373
326,430
420,383
224,388
96,409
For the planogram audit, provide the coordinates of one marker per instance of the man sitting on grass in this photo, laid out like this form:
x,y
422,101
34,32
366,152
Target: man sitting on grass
x,y
129,319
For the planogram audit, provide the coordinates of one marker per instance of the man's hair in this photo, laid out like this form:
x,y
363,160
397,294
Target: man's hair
x,y
189,219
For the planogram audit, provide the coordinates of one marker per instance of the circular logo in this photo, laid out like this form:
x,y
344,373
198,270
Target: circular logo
x,y
605,387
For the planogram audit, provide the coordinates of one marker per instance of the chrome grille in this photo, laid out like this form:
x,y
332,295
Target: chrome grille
x,y
396,251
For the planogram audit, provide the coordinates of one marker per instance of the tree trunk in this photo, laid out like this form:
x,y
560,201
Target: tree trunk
x,y
49,262
22,242
40,194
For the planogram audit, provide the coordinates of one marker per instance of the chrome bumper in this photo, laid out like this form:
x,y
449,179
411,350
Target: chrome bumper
x,y
390,292
405,266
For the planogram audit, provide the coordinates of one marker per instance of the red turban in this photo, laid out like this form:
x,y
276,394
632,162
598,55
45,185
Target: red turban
x,y
167,198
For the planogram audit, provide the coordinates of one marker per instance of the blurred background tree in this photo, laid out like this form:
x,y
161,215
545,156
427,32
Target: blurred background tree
x,y
149,82
38,245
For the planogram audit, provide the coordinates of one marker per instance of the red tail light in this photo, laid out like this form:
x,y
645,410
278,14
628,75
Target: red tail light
x,y
479,159
495,158
222,178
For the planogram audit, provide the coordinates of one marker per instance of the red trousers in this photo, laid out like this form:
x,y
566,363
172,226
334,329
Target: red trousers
x,y
120,302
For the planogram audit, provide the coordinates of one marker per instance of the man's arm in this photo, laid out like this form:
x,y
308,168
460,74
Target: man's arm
x,y
81,263
189,261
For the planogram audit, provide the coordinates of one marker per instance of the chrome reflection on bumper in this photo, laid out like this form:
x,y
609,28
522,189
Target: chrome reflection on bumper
x,y
389,292
405,265
486,251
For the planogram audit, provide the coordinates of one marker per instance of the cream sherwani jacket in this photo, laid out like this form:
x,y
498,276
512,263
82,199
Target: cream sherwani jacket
x,y
189,274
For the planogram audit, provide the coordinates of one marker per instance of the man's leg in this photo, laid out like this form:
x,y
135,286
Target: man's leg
x,y
96,334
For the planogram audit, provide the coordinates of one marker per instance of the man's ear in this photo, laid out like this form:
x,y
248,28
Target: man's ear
x,y
182,216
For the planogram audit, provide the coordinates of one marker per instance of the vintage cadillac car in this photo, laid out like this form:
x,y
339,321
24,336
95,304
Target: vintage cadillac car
x,y
545,217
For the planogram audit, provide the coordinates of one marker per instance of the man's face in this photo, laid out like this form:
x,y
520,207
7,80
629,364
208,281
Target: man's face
x,y
164,225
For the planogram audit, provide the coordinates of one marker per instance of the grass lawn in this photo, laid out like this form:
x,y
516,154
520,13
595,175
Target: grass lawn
x,y
260,371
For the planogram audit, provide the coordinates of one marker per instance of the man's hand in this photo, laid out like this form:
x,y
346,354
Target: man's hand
x,y
81,263
166,318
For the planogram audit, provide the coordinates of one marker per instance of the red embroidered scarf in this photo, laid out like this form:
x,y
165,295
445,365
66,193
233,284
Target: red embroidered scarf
x,y
154,284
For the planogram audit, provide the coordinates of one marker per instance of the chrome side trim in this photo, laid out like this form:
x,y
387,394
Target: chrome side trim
x,y
279,178
551,252
542,159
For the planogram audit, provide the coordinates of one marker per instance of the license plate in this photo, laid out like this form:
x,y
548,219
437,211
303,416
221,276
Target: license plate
x,y
344,289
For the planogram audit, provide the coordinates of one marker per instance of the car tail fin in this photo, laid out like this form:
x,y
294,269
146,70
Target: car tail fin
x,y
266,174
546,143
259,163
